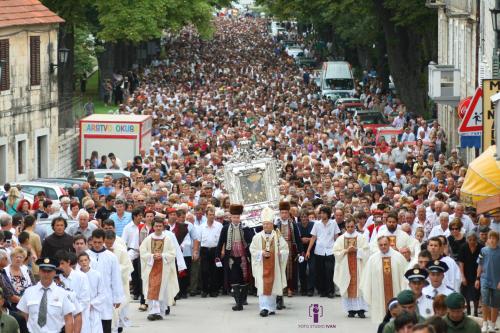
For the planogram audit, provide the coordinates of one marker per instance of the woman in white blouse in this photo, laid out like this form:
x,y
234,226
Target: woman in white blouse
x,y
18,273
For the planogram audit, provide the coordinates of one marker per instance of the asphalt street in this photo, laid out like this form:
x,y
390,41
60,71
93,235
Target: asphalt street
x,y
209,315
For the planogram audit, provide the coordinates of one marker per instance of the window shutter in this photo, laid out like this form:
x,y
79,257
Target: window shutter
x,y
35,60
4,55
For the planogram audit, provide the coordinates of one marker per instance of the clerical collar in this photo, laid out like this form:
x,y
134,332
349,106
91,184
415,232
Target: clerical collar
x,y
98,251
267,233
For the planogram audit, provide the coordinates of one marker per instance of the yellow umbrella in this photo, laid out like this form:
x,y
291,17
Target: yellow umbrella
x,y
483,178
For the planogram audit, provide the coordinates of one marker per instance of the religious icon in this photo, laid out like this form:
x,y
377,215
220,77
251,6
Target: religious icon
x,y
348,242
386,262
253,188
157,246
392,241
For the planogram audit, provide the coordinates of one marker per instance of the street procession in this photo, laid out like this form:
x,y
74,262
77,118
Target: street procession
x,y
255,178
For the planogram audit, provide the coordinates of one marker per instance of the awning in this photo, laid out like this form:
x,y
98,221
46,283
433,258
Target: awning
x,y
483,178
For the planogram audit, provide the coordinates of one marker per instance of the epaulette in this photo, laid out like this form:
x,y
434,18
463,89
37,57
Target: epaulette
x,y
429,297
450,288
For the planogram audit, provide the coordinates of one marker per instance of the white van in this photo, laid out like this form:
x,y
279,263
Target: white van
x,y
337,80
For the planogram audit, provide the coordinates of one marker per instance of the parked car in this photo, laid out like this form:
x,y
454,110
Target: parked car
x,y
387,133
100,173
294,51
372,119
67,182
52,191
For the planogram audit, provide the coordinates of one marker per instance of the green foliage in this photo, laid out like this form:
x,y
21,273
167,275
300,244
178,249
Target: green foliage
x,y
84,52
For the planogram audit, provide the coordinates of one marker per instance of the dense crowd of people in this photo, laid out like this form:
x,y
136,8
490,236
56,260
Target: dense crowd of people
x,y
379,224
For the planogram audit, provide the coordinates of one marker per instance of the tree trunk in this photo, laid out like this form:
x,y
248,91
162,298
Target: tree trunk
x,y
106,63
405,61
65,77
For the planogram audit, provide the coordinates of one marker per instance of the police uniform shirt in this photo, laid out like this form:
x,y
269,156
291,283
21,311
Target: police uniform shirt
x,y
424,305
58,305
442,289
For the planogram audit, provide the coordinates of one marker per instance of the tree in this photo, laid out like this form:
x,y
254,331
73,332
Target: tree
x,y
403,33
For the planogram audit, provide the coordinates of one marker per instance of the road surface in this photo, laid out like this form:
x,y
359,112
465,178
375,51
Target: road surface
x,y
214,315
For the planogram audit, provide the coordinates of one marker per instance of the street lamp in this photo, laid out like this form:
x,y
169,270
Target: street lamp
x,y
62,58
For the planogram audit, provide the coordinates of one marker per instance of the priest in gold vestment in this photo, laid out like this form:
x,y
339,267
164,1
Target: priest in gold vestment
x,y
383,278
351,252
159,274
269,252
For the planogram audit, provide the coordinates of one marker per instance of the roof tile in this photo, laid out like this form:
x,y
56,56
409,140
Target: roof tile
x,y
25,12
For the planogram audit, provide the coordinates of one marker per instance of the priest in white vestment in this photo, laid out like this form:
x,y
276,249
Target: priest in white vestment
x,y
269,252
398,239
159,274
383,278
351,252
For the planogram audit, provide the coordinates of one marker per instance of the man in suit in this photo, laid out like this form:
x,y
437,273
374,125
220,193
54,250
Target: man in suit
x,y
373,186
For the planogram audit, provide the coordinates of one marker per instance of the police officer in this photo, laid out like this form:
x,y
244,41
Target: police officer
x,y
8,324
417,279
436,269
456,319
408,303
47,307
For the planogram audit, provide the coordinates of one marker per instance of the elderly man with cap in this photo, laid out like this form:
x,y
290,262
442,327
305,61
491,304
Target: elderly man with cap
x,y
456,319
232,249
436,269
286,225
47,307
416,281
407,302
269,252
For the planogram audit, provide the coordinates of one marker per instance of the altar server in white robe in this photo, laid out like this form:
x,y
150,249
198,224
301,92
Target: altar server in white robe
x,y
159,274
398,239
107,264
351,252
383,278
269,252
120,315
92,318
76,283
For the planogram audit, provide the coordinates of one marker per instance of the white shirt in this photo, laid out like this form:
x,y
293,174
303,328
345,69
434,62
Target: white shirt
x,y
325,237
209,235
441,290
131,237
438,231
58,305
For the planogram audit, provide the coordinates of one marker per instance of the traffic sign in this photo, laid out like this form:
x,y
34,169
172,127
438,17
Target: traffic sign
x,y
490,88
473,119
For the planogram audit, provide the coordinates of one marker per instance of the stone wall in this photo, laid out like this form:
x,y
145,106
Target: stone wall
x,y
68,153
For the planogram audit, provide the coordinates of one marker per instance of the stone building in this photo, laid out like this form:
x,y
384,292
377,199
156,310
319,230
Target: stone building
x,y
465,41
29,142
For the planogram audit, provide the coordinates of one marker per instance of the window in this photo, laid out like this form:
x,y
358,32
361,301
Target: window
x,y
35,60
21,157
4,55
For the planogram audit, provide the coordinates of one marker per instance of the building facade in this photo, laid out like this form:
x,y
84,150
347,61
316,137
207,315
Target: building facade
x,y
465,41
29,141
